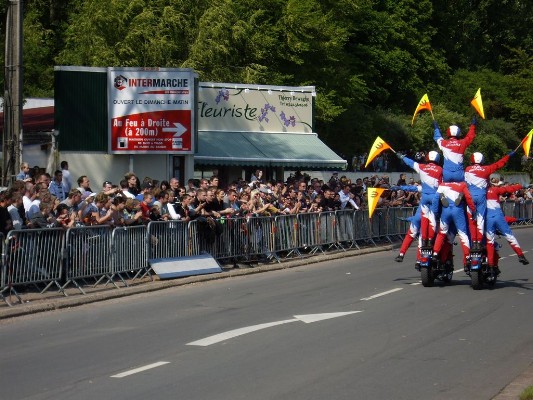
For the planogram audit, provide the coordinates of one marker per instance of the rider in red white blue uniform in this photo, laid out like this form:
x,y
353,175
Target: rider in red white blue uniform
x,y
430,177
496,223
477,177
412,233
453,150
452,196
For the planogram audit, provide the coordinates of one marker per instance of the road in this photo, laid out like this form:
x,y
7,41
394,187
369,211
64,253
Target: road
x,y
353,328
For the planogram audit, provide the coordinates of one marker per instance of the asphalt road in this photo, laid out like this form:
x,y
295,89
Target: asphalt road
x,y
356,328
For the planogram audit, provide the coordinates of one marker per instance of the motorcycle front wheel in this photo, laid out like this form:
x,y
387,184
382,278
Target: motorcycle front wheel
x,y
427,276
477,279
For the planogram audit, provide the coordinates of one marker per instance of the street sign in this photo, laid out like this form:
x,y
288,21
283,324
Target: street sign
x,y
151,111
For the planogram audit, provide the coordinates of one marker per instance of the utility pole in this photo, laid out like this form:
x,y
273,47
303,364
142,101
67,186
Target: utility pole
x,y
12,135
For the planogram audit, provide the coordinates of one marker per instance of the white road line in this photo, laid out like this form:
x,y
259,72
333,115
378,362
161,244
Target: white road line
x,y
416,283
140,369
381,294
237,332
309,318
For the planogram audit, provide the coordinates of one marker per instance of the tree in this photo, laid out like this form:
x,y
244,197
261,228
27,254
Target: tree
x,y
520,87
143,33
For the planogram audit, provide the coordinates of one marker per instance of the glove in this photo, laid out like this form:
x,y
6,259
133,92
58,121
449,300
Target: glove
x,y
435,124
474,120
512,153
400,156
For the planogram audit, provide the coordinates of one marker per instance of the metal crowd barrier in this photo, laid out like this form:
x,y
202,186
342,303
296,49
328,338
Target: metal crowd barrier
x,y
328,230
233,243
528,210
130,248
287,237
523,211
167,239
88,255
32,257
344,229
261,231
311,234
379,225
363,227
47,257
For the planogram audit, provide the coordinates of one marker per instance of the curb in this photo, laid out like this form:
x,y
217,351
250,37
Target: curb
x,y
513,390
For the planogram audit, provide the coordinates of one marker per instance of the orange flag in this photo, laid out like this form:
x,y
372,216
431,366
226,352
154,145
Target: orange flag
x,y
526,142
423,104
373,196
477,103
378,146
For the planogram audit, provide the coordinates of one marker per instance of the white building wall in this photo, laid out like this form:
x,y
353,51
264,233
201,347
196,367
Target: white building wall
x,y
112,167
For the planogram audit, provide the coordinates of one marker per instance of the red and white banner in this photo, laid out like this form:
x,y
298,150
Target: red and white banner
x,y
150,111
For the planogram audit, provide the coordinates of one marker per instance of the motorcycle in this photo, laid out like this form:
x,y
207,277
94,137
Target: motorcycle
x,y
432,268
478,269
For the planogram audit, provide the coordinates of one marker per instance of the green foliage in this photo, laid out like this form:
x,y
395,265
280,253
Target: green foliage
x,y
482,33
521,87
38,41
527,394
370,61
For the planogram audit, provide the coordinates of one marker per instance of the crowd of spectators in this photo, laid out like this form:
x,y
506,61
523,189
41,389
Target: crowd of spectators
x,y
38,200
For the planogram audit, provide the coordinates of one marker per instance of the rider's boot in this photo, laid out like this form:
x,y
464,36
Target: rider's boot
x,y
399,258
523,259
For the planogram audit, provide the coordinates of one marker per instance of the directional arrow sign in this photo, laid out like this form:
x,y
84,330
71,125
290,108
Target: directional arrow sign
x,y
178,129
320,317
309,318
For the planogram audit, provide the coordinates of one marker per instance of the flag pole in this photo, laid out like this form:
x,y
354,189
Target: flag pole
x,y
520,144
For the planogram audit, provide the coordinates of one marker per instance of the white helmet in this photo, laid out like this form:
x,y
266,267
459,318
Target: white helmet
x,y
433,156
454,131
477,158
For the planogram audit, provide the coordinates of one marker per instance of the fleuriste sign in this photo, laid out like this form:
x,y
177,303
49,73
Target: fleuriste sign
x,y
151,111
244,108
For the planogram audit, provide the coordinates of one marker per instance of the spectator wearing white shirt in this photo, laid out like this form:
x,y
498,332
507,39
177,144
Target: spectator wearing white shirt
x,y
346,197
39,189
84,186
67,180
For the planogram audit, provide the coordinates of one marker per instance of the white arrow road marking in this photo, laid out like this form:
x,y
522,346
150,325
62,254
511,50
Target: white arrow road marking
x,y
248,329
381,294
237,332
320,317
140,369
178,128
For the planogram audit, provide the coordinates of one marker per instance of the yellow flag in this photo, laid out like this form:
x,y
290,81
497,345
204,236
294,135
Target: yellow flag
x,y
526,143
477,103
373,196
423,104
378,146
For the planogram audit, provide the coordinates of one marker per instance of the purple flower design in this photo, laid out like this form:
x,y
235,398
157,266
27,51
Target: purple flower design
x,y
264,112
222,94
287,121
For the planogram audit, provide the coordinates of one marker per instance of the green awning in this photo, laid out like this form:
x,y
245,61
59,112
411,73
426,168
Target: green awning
x,y
290,150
